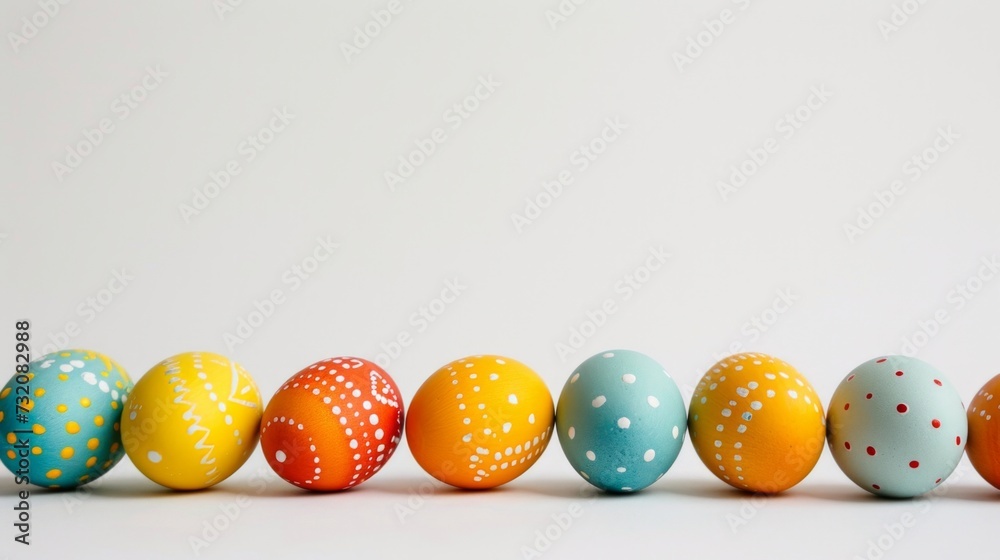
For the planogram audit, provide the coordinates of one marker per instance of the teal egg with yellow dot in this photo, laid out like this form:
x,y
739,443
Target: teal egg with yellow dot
x,y
61,420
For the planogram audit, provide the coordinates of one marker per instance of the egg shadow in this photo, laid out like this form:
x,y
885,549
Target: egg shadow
x,y
566,488
701,488
979,493
845,493
422,486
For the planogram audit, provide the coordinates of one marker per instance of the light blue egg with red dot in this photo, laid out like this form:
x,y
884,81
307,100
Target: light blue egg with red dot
x,y
621,420
896,426
67,429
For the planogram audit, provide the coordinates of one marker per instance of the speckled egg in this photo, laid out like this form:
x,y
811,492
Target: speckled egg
x,y
757,423
74,401
480,421
192,420
983,447
621,420
333,425
897,427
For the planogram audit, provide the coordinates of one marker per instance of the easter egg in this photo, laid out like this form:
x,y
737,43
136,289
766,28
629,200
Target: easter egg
x,y
480,421
757,423
332,425
192,420
983,447
897,426
67,427
621,420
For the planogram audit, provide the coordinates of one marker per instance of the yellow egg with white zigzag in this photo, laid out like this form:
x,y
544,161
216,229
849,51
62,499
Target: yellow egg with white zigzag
x,y
192,420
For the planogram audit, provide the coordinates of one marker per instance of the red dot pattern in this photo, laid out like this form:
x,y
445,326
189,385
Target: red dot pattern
x,y
914,464
868,396
847,406
936,423
899,374
902,408
871,450
876,486
938,382
847,445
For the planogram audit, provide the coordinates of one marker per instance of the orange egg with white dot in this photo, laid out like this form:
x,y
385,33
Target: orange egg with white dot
x,y
480,421
333,425
192,420
757,423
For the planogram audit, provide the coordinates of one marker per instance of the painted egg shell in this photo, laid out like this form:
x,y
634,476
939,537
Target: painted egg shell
x,y
897,426
621,420
75,403
192,420
757,423
983,447
480,422
333,425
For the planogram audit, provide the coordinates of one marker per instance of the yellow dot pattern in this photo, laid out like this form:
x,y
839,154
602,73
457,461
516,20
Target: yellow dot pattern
x,y
58,451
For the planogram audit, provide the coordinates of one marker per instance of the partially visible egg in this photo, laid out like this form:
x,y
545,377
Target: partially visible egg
x,y
74,401
480,421
757,423
621,420
897,426
192,420
333,425
983,447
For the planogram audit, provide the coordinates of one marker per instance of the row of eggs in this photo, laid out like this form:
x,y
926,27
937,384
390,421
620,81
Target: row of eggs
x,y
895,425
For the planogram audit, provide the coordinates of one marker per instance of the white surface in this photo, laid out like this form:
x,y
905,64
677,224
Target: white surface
x,y
655,186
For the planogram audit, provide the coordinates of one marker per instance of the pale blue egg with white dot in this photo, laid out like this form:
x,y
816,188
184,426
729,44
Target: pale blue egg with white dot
x,y
621,420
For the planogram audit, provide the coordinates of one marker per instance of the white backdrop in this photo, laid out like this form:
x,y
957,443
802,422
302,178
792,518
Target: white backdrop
x,y
815,182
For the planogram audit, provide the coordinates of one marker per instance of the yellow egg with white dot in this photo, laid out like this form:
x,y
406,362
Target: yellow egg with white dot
x,y
480,421
192,420
757,423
